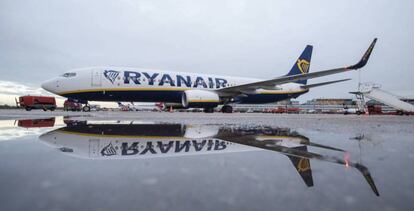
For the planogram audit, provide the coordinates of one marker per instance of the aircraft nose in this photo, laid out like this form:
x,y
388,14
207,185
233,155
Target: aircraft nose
x,y
50,85
46,137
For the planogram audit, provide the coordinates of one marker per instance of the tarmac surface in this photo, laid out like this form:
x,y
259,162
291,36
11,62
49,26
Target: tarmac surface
x,y
187,161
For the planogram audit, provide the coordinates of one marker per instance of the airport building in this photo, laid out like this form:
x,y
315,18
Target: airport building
x,y
320,105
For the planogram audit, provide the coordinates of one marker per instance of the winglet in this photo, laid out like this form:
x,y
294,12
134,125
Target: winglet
x,y
367,176
365,58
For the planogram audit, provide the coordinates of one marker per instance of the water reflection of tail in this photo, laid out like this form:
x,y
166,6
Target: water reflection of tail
x,y
303,166
293,146
126,141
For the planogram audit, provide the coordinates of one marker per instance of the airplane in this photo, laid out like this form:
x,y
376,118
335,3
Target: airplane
x,y
143,140
189,90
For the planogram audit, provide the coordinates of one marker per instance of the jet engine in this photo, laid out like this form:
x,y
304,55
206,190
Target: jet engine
x,y
199,99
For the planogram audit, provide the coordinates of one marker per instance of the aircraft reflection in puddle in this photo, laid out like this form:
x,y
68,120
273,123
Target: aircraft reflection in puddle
x,y
125,141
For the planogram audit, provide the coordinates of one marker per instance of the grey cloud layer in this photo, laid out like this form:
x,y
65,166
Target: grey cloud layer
x,y
41,39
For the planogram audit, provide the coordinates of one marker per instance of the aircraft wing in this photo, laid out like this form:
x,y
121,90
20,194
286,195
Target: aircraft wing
x,y
323,83
293,78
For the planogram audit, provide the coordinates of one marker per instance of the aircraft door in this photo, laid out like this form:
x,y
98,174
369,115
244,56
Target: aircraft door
x,y
96,78
93,148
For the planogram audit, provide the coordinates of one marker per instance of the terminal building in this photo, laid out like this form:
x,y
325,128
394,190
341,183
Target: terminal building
x,y
318,105
327,105
322,105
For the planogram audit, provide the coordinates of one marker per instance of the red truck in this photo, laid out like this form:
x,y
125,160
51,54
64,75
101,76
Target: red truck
x,y
37,102
71,106
36,123
374,109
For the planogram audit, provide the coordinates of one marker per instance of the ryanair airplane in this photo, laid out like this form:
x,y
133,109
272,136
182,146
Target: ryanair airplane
x,y
189,90
132,140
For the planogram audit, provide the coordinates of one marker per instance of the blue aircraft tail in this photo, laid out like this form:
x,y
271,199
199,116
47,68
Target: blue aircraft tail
x,y
302,65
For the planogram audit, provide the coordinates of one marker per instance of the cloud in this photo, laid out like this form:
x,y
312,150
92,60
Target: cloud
x,y
255,39
10,90
16,88
9,131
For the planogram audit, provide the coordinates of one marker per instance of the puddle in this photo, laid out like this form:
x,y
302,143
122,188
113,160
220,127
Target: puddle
x,y
183,165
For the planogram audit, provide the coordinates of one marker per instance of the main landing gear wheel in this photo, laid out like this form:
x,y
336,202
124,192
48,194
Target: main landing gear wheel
x,y
227,109
208,110
86,108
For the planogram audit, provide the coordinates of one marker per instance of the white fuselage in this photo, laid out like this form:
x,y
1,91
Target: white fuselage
x,y
142,85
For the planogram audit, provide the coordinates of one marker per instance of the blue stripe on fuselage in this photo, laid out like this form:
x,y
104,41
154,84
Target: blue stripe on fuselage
x,y
169,96
129,96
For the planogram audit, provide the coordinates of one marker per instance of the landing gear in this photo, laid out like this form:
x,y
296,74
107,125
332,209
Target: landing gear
x,y
86,108
209,110
227,109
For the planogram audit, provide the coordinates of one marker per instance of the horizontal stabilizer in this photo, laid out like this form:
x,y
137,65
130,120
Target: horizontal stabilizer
x,y
323,83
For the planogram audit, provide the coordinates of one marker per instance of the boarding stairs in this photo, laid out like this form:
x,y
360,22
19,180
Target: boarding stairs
x,y
374,91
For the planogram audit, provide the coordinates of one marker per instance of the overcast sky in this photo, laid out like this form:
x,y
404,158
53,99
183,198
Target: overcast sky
x,y
40,39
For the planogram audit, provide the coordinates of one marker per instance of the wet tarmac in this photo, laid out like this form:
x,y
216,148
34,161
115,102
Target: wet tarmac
x,y
197,161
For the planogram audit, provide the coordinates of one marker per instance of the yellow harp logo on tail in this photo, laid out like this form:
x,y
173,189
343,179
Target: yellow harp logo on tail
x,y
303,66
303,165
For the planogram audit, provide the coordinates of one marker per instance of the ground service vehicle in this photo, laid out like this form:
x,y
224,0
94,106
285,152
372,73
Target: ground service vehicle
x,y
72,106
37,102
36,123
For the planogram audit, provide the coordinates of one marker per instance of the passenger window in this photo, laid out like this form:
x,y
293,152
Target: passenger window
x,y
67,75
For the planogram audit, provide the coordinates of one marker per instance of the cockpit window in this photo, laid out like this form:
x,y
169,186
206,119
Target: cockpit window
x,y
67,75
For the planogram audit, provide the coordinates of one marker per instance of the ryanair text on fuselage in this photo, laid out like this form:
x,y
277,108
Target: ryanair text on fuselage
x,y
166,79
160,147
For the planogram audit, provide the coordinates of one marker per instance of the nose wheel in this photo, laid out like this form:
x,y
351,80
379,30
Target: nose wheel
x,y
86,108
